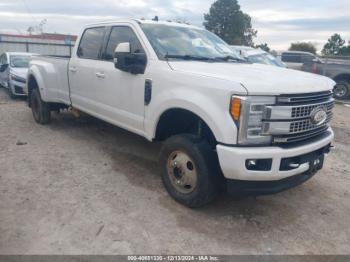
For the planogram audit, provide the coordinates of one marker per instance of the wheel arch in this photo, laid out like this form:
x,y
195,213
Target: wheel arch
x,y
176,120
35,80
31,85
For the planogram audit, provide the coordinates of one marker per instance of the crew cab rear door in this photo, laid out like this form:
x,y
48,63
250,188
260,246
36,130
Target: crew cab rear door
x,y
82,68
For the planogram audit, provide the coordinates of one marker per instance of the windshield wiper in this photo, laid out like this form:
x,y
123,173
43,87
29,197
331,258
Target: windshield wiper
x,y
189,57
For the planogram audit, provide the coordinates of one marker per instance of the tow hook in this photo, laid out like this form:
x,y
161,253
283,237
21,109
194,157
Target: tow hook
x,y
328,149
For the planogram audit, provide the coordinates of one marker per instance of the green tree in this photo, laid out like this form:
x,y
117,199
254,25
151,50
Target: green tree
x,y
264,47
333,46
303,46
226,20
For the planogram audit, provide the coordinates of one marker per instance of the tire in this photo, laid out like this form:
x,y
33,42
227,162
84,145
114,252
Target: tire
x,y
190,170
40,109
341,90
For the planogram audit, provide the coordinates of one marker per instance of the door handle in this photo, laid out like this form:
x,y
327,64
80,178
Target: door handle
x,y
100,75
73,69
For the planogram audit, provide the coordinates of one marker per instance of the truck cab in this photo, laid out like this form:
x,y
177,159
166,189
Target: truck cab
x,y
223,122
296,59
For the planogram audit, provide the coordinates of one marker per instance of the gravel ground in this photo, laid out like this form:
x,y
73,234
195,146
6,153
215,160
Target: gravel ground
x,y
86,187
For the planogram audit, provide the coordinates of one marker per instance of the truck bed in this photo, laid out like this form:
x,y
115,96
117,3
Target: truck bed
x,y
54,71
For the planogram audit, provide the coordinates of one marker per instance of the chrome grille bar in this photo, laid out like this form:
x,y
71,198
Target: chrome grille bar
x,y
305,98
298,138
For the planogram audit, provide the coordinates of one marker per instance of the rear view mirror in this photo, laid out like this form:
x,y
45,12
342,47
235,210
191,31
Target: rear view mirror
x,y
124,60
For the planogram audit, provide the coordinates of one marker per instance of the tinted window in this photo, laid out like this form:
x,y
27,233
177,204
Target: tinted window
x,y
291,58
122,34
91,42
307,58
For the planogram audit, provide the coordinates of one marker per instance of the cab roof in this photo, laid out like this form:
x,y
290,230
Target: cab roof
x,y
145,21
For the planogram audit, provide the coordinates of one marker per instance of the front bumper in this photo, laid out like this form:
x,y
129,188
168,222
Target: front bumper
x,y
233,159
18,88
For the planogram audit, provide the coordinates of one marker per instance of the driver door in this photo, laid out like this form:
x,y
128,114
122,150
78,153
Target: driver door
x,y
120,95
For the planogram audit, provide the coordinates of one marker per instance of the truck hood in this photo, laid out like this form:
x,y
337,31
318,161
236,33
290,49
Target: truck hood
x,y
258,79
20,72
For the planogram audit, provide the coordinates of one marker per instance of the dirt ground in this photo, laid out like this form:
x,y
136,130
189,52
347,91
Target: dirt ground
x,y
86,187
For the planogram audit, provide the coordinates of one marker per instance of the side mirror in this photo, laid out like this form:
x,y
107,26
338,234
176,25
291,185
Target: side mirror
x,y
3,67
124,60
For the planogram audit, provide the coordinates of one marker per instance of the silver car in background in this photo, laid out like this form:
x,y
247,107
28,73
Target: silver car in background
x,y
13,72
258,56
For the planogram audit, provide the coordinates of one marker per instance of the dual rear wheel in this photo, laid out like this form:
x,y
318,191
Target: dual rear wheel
x,y
40,109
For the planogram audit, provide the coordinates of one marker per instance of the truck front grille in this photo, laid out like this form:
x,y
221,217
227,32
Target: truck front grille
x,y
291,120
307,125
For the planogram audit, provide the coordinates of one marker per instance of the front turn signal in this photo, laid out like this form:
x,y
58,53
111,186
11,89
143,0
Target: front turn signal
x,y
235,108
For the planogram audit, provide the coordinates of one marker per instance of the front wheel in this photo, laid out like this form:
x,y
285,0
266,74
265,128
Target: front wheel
x,y
40,109
341,90
190,170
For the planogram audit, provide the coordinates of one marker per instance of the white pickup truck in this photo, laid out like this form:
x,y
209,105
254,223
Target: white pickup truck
x,y
224,123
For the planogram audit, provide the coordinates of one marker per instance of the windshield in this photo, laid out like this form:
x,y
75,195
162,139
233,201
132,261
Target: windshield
x,y
266,59
187,43
19,61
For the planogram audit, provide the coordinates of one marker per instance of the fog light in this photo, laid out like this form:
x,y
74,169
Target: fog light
x,y
258,164
294,165
251,163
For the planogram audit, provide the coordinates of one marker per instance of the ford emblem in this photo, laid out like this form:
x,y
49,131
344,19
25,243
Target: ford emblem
x,y
319,115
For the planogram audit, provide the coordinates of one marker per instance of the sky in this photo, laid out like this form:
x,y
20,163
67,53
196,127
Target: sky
x,y
279,22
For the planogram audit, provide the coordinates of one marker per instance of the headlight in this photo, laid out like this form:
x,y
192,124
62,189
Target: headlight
x,y
248,114
17,78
